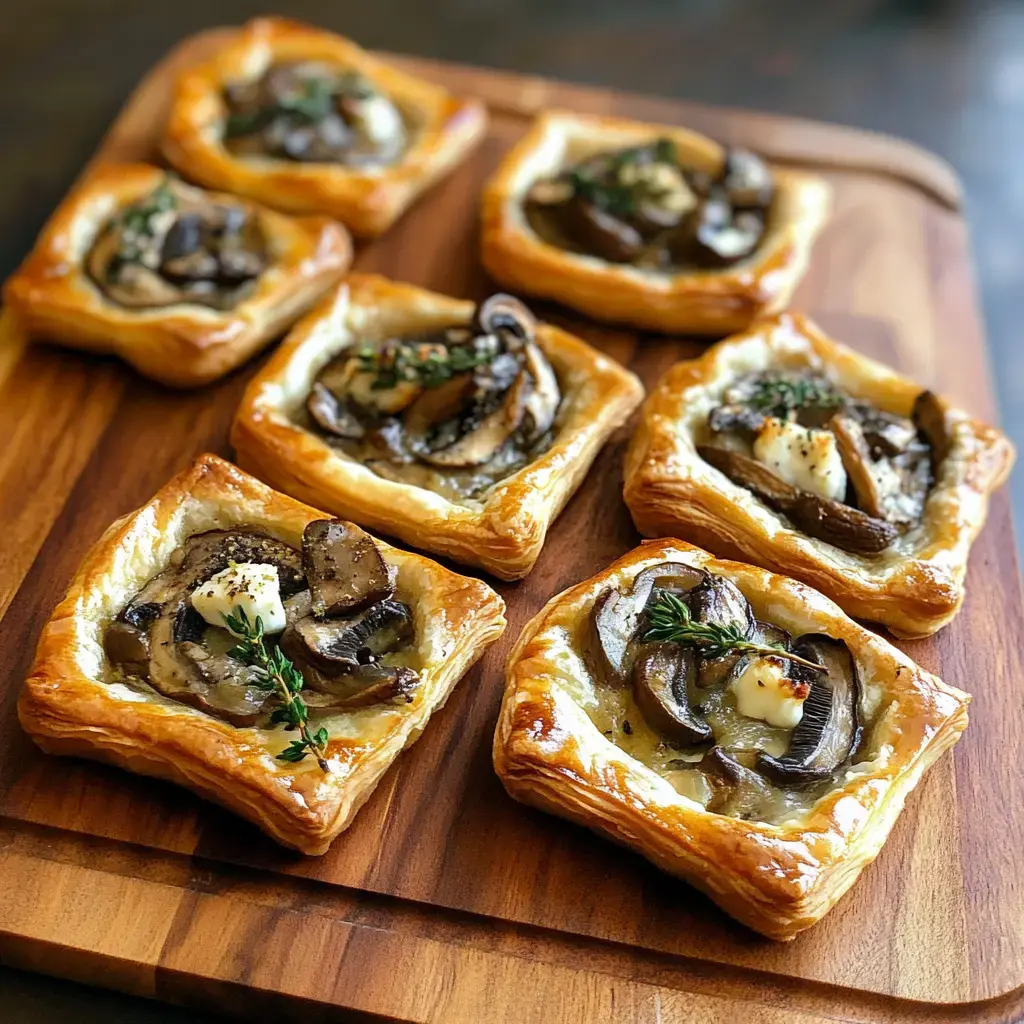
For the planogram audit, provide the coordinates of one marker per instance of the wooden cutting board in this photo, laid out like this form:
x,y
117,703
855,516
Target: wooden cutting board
x,y
446,901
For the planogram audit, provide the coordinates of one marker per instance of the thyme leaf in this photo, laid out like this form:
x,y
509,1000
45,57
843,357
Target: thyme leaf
x,y
427,364
274,671
670,621
779,396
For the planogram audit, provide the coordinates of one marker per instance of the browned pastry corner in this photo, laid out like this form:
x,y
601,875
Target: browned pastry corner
x,y
712,301
503,528
557,746
183,331
913,581
73,703
366,193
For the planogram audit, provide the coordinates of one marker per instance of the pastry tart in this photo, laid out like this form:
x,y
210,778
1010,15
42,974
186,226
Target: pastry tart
x,y
462,430
731,725
137,666
648,225
182,283
787,448
306,121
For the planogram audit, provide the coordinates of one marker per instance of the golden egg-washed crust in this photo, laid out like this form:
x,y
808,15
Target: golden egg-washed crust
x,y
505,530
182,345
367,200
69,706
914,587
777,879
713,302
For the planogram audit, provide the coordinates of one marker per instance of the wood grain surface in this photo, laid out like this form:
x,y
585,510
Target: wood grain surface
x,y
446,901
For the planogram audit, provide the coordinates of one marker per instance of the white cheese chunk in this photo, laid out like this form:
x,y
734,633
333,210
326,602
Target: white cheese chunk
x,y
808,459
763,691
252,586
379,119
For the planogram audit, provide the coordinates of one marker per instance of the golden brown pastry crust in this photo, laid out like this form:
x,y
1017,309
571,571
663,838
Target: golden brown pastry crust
x,y
368,201
504,532
915,587
183,345
713,302
68,708
777,879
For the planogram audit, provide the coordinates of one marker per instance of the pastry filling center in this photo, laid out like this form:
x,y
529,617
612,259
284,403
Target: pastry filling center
x,y
329,609
453,411
313,112
179,245
735,713
641,206
840,469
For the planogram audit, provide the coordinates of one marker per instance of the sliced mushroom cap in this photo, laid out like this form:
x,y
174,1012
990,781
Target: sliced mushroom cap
x,y
435,405
332,415
344,568
187,661
206,554
932,417
372,684
617,614
723,242
660,679
544,397
501,313
719,601
747,179
831,521
599,232
481,443
830,728
128,646
341,645
183,668
736,418
737,791
857,461
338,658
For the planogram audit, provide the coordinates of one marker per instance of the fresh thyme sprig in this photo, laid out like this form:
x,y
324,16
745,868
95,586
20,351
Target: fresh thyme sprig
x,y
670,621
274,671
781,395
427,364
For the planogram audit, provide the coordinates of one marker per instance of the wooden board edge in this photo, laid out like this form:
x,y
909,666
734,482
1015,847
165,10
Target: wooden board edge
x,y
802,142
202,940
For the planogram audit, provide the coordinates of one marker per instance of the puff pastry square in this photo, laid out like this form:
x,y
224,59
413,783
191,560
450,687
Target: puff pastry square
x,y
504,531
444,128
69,708
777,879
712,302
185,344
915,586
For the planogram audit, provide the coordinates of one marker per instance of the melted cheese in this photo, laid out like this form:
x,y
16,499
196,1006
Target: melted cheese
x,y
763,691
808,459
252,586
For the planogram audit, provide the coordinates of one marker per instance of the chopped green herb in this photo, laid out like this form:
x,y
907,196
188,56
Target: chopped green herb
x,y
274,671
426,364
670,621
778,396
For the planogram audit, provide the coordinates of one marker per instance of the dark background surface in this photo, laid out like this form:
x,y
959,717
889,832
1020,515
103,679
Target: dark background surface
x,y
948,75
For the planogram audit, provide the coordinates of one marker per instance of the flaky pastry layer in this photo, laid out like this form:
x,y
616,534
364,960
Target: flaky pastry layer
x,y
70,706
505,530
445,128
183,345
777,879
914,587
713,302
